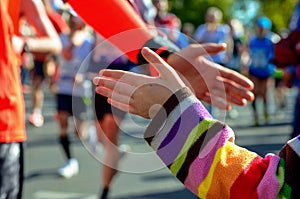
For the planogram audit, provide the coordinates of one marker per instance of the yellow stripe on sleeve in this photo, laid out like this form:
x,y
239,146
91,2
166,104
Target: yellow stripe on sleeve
x,y
192,138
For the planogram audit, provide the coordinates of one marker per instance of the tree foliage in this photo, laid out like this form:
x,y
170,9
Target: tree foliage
x,y
279,11
194,10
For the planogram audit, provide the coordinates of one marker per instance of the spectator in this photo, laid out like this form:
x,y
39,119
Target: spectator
x,y
295,25
287,56
26,57
107,118
146,10
77,44
236,46
12,111
188,30
291,78
235,50
168,23
213,31
260,66
45,66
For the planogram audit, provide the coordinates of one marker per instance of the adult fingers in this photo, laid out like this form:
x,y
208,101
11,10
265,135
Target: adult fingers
x,y
196,50
227,97
228,80
209,48
234,89
237,77
231,92
214,47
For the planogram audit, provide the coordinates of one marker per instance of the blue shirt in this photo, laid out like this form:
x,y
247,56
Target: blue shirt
x,y
70,68
261,53
220,35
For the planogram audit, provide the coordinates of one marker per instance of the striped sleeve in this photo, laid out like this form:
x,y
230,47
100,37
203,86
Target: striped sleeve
x,y
201,153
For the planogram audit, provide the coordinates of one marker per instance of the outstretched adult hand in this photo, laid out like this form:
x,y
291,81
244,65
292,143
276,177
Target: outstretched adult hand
x,y
209,81
136,93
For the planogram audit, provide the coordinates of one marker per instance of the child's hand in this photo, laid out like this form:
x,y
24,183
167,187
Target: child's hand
x,y
139,94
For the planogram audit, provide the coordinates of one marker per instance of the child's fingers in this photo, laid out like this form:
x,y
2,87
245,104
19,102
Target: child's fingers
x,y
115,74
124,76
115,86
121,98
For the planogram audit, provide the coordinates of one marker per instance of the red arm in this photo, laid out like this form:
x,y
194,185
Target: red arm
x,y
113,17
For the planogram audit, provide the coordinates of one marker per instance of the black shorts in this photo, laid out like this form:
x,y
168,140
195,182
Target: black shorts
x,y
11,169
101,107
38,69
75,106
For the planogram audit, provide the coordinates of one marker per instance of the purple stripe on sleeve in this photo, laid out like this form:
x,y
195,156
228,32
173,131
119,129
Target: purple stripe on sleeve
x,y
171,146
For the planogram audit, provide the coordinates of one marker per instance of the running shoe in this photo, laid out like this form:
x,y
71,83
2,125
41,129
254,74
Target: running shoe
x,y
36,119
70,169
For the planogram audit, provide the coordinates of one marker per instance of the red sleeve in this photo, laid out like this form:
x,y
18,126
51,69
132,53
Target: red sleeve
x,y
58,22
117,21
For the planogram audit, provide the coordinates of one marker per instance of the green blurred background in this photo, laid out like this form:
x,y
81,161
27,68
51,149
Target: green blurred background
x,y
279,11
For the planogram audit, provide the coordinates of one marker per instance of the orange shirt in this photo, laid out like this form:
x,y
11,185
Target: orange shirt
x,y
12,111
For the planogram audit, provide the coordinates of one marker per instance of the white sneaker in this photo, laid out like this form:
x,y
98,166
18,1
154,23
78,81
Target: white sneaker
x,y
124,149
71,168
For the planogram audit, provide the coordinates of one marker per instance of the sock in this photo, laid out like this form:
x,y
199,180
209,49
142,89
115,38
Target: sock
x,y
65,143
37,111
104,193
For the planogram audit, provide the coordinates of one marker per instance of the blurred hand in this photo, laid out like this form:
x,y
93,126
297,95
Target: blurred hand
x,y
139,94
18,44
209,81
79,78
287,79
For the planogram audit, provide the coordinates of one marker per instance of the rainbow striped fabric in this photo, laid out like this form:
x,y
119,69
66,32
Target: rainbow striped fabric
x,y
201,153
